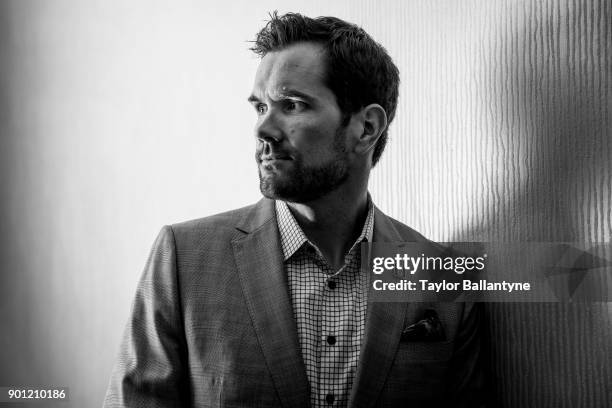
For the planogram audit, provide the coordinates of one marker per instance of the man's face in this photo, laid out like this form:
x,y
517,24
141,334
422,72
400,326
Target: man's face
x,y
301,145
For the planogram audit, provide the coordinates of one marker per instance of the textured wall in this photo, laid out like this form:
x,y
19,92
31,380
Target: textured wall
x,y
117,117
505,135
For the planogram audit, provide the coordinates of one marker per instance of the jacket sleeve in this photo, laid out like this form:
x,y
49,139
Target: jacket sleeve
x,y
151,369
467,382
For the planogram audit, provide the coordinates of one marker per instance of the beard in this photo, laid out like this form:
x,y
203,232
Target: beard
x,y
301,183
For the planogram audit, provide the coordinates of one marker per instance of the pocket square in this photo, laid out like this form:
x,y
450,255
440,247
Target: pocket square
x,y
427,329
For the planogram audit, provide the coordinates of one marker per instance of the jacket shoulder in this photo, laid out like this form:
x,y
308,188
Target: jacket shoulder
x,y
407,233
411,235
220,226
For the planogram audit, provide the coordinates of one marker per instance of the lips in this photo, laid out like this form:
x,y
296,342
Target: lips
x,y
274,163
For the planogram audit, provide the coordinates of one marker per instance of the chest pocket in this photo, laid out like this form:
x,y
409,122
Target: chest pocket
x,y
424,351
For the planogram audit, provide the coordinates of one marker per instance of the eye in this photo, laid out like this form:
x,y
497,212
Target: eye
x,y
261,108
295,106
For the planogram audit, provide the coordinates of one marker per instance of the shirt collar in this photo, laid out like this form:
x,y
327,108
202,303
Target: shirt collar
x,y
292,237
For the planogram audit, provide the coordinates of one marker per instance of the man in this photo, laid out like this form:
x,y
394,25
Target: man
x,y
266,305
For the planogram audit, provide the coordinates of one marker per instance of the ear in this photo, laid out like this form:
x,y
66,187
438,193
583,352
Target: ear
x,y
374,120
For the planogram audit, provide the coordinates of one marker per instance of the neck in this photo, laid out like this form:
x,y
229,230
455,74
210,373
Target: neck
x,y
333,222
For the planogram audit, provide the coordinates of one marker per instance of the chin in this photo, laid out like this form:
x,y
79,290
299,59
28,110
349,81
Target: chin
x,y
290,193
271,185
272,188
299,187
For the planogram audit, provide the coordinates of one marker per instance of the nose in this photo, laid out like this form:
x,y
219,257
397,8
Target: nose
x,y
267,128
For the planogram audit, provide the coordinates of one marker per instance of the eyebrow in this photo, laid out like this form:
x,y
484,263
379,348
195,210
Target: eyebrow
x,y
285,93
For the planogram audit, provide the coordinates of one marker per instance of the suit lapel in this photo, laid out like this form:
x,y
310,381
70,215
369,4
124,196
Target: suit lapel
x,y
264,283
383,328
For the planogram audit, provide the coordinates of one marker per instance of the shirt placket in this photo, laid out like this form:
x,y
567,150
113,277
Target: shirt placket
x,y
330,379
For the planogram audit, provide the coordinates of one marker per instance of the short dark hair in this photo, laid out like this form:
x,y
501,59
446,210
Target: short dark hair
x,y
359,70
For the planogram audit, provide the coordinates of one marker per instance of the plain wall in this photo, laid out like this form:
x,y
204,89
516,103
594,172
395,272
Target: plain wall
x,y
119,117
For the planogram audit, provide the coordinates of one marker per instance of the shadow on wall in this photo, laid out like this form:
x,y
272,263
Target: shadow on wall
x,y
24,356
7,348
554,184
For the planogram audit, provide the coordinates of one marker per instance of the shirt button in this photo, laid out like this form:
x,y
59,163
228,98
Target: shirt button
x,y
329,398
331,284
331,340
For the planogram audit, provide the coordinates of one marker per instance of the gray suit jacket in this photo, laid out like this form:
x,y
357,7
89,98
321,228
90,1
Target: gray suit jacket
x,y
212,325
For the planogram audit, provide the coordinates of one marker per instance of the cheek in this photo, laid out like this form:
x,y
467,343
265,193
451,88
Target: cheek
x,y
312,140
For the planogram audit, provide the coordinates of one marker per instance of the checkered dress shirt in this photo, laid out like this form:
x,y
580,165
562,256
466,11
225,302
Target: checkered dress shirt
x,y
329,308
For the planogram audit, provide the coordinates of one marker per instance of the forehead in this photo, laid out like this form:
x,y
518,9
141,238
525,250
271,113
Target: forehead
x,y
298,67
